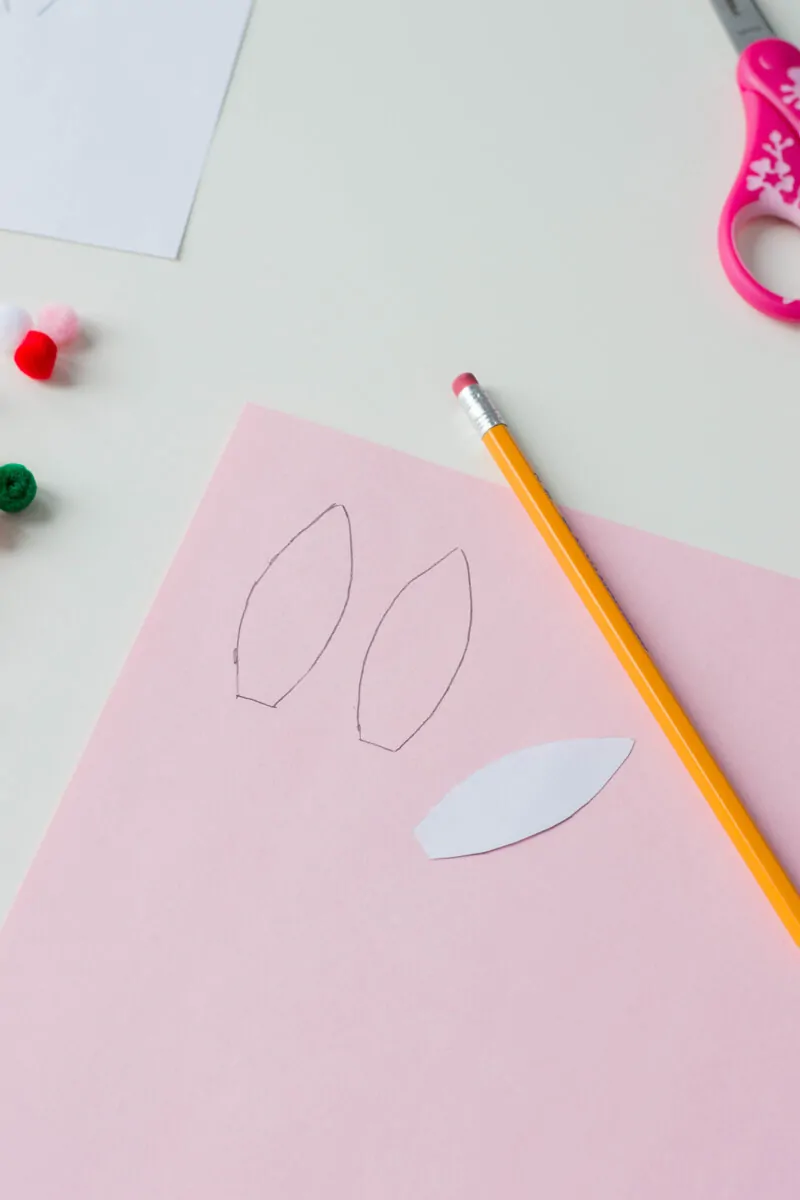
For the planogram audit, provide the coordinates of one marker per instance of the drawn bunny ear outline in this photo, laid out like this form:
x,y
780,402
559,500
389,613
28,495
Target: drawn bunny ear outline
x,y
416,652
294,608
28,8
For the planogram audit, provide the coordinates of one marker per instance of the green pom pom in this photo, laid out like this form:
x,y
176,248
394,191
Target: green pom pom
x,y
17,487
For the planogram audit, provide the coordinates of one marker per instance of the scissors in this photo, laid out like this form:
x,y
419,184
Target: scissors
x,y
768,183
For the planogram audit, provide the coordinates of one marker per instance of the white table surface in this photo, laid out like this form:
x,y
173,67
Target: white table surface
x,y
397,193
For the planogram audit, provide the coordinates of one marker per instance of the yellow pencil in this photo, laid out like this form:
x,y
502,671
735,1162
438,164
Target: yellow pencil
x,y
631,653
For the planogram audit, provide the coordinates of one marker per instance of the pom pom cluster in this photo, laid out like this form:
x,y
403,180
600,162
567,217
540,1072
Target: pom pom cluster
x,y
35,345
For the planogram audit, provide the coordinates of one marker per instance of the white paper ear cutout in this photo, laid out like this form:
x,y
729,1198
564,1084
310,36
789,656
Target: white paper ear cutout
x,y
294,608
520,795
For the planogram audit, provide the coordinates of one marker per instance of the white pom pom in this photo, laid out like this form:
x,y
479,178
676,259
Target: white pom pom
x,y
60,322
14,324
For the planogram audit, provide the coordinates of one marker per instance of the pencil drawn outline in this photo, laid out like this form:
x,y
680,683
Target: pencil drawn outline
x,y
379,626
45,7
339,619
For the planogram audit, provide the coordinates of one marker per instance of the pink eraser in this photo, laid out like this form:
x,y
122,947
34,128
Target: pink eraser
x,y
463,381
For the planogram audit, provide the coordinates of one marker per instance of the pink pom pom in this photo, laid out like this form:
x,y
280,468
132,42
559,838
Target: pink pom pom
x,y
60,322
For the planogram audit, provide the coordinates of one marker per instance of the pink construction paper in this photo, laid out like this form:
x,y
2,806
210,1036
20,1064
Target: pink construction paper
x,y
286,626
233,972
422,638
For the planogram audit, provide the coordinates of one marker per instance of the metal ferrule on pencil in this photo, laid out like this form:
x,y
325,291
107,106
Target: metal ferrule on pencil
x,y
479,408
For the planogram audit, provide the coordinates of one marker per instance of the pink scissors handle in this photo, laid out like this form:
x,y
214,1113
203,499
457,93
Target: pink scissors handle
x,y
768,183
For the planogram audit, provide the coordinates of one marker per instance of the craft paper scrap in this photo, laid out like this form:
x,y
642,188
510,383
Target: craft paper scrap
x,y
523,794
232,972
110,111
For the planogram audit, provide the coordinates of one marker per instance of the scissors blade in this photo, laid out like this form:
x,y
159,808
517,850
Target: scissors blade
x,y
744,22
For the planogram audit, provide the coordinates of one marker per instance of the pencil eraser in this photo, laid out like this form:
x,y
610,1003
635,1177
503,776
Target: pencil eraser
x,y
463,381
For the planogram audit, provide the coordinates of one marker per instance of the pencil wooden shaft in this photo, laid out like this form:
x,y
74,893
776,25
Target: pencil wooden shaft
x,y
642,670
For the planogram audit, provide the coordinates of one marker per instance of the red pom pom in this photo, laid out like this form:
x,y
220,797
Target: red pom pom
x,y
36,355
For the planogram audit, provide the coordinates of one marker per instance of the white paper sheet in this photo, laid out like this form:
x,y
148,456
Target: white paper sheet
x,y
108,108
520,795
